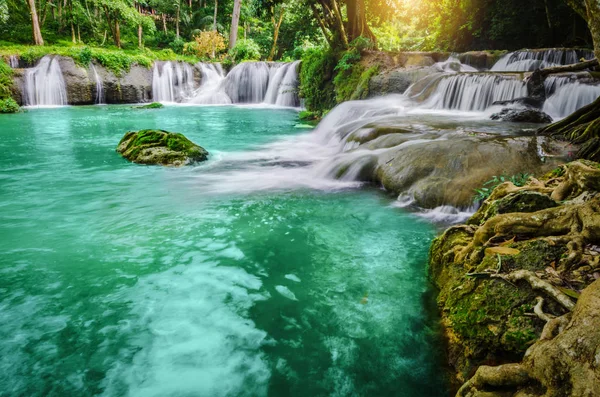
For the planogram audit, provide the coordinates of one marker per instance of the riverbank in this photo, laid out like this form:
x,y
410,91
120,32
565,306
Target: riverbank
x,y
516,282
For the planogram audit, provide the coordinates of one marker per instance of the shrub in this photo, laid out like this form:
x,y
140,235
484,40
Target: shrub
x,y
245,50
316,75
5,79
206,44
9,105
488,187
177,45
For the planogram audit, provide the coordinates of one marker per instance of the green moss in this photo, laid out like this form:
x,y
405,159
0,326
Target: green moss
x,y
316,79
153,105
160,147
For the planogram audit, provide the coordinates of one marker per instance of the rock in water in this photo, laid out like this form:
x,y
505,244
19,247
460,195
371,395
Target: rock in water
x,y
522,116
160,148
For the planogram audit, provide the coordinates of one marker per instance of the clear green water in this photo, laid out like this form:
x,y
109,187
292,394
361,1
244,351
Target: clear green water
x,y
125,280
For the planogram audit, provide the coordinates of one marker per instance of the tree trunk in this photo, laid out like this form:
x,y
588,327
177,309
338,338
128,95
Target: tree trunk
x,y
73,39
164,21
276,26
177,22
593,21
334,15
215,17
357,21
140,32
235,19
117,34
35,24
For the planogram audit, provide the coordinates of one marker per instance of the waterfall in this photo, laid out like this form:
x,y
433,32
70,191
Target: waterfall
x,y
13,61
172,81
99,87
247,82
569,97
44,84
553,83
210,91
527,61
282,85
474,92
276,75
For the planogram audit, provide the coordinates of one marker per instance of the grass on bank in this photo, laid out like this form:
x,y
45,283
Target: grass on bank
x,y
115,59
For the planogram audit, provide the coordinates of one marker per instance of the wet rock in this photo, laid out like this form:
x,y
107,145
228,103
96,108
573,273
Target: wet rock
x,y
447,172
134,86
80,88
522,116
160,148
396,81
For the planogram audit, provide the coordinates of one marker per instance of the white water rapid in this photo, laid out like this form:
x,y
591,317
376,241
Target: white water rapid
x,y
248,83
172,81
44,84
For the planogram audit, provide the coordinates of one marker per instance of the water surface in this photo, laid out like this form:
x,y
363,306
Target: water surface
x,y
238,277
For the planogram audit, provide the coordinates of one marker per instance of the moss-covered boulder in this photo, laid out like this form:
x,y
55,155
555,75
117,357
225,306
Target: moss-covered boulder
x,y
160,147
153,105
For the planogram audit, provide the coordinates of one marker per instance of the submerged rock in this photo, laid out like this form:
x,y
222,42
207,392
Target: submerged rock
x,y
522,116
160,148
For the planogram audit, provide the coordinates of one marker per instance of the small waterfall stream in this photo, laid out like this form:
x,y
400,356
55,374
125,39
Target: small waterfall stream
x,y
13,61
44,84
474,92
99,97
172,81
569,97
528,61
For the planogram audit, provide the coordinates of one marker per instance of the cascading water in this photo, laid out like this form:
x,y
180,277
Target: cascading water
x,y
570,96
44,84
286,88
99,98
527,61
13,61
172,81
249,82
474,92
210,92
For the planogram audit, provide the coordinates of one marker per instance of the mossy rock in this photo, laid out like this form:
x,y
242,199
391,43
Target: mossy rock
x,y
520,201
158,147
153,105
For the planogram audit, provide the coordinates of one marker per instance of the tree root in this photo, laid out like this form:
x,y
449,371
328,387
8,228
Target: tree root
x,y
577,223
539,310
501,376
537,284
